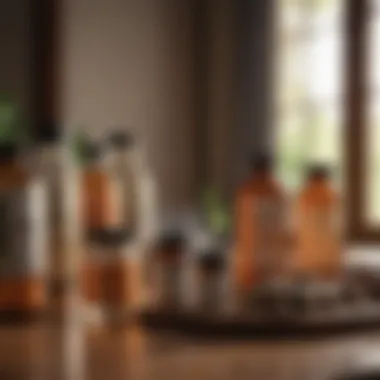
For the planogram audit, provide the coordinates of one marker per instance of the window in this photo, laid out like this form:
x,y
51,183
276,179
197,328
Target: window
x,y
372,120
309,87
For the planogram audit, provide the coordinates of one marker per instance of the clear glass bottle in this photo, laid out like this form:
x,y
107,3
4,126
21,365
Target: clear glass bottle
x,y
120,146
94,190
133,189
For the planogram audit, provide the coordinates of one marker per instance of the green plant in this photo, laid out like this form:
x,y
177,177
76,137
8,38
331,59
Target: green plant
x,y
12,129
216,211
80,145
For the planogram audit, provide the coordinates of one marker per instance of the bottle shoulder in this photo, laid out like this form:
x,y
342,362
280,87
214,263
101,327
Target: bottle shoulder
x,y
257,188
319,196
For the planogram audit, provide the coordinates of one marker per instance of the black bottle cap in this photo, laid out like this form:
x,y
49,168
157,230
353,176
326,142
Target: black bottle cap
x,y
318,172
8,152
172,241
211,260
49,133
261,162
121,139
92,151
109,237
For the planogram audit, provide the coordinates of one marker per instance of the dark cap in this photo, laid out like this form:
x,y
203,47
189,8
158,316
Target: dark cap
x,y
318,172
49,133
109,237
261,162
171,241
92,151
121,139
8,152
211,260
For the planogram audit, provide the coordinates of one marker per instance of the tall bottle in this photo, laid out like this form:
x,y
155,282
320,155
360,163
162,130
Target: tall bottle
x,y
50,166
132,187
260,227
317,227
22,237
122,179
94,190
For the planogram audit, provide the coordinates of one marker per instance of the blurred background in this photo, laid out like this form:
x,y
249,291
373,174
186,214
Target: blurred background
x,y
209,83
206,83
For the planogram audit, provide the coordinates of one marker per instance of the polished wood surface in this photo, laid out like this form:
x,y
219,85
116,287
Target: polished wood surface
x,y
22,294
73,351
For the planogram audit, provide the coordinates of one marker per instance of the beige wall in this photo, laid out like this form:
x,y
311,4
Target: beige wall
x,y
129,63
16,57
221,91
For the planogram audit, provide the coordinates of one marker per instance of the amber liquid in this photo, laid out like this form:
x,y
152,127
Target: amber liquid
x,y
26,293
95,210
318,243
259,232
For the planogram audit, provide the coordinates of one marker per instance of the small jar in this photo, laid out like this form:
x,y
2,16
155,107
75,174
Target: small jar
x,y
107,271
167,263
23,236
211,265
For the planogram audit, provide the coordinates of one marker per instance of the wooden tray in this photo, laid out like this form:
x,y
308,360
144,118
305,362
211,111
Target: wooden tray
x,y
345,319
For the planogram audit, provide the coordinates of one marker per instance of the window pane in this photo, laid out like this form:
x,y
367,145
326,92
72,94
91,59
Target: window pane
x,y
373,162
309,92
372,135
374,46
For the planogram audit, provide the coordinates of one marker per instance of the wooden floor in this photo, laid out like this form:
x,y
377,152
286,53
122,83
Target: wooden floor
x,y
71,351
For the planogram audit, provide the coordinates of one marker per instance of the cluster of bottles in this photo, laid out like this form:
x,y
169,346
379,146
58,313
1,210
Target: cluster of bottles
x,y
277,244
181,276
51,211
117,204
278,240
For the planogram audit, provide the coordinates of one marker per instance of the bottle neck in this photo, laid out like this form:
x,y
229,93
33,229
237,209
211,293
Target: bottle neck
x,y
262,176
318,182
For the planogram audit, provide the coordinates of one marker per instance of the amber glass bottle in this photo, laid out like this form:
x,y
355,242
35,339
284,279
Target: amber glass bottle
x,y
166,269
260,226
22,238
318,230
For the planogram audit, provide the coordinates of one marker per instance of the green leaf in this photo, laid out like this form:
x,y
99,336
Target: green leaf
x,y
80,144
12,128
216,211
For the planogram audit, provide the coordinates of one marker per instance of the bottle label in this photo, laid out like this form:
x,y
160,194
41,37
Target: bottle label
x,y
22,243
269,216
269,222
321,221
